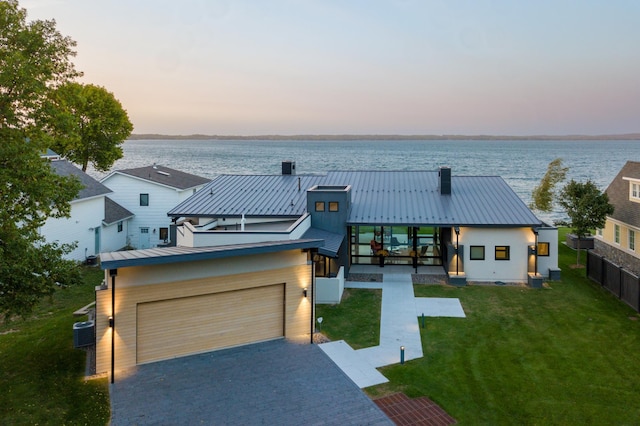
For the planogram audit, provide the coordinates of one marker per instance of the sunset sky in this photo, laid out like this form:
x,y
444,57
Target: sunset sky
x,y
241,67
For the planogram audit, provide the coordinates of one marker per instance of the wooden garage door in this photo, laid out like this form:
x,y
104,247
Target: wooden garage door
x,y
176,327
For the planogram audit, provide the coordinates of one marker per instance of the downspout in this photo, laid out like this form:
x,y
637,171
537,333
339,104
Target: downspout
x,y
112,321
313,284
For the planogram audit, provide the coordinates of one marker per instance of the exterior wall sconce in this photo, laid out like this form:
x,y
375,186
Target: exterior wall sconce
x,y
111,322
304,292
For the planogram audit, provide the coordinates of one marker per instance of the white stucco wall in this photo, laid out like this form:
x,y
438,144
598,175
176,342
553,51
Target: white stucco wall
x,y
548,235
86,216
513,270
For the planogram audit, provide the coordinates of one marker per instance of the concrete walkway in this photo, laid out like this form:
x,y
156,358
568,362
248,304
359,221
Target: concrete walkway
x,y
398,327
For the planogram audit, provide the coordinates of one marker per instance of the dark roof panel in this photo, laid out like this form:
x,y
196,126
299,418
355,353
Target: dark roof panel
x,y
91,187
332,241
114,212
166,176
626,211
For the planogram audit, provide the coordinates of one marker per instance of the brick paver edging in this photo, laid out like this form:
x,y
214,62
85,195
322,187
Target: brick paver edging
x,y
404,411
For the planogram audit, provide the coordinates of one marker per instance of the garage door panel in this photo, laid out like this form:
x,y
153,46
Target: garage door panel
x,y
178,327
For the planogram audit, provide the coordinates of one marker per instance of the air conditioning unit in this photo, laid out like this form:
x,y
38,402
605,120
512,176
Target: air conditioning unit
x,y
83,334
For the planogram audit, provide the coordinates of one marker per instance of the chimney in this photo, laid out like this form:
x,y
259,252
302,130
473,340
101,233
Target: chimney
x,y
288,167
444,177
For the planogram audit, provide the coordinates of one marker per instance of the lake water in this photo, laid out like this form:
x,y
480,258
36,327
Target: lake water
x,y
521,163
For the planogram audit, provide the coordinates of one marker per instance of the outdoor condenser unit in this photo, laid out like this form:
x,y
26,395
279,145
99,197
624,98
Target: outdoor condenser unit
x,y
83,334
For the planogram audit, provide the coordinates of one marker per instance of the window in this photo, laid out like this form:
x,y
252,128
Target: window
x,y
616,233
632,239
476,252
164,234
120,226
502,252
333,206
319,206
543,249
635,190
144,199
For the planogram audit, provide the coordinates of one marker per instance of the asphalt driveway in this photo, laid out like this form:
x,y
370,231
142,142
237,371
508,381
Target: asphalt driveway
x,y
275,382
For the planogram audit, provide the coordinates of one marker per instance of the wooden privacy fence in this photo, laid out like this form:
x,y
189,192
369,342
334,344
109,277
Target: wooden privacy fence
x,y
620,282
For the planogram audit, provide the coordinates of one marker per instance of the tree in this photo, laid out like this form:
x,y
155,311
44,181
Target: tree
x,y
89,125
544,194
586,206
34,60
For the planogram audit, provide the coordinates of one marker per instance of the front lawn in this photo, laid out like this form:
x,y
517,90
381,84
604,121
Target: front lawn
x,y
566,354
41,374
362,307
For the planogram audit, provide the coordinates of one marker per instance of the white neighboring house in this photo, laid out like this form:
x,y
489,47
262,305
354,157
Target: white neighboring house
x,y
94,221
150,192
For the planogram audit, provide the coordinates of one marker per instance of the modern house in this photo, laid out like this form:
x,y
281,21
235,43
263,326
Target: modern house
x,y
96,222
253,254
475,227
149,192
617,240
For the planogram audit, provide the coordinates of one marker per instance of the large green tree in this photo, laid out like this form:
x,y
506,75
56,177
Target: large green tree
x,y
544,195
586,206
89,125
34,60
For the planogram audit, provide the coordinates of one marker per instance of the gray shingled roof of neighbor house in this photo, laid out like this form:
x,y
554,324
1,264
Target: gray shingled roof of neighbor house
x,y
626,210
91,187
114,212
378,197
165,176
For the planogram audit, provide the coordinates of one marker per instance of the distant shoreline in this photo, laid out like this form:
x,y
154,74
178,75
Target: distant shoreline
x,y
155,136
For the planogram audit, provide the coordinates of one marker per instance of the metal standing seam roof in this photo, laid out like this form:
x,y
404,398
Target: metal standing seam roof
x,y
252,195
625,210
164,176
165,255
377,197
332,241
90,187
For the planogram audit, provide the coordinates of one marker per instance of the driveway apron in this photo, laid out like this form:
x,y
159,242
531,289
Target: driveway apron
x,y
274,382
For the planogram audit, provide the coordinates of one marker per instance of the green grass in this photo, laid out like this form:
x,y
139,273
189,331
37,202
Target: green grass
x,y
566,354
41,374
362,308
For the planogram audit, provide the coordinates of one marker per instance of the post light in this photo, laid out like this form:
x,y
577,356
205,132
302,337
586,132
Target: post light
x,y
401,354
457,231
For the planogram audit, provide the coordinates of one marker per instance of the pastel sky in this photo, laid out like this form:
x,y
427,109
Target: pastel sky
x,y
250,67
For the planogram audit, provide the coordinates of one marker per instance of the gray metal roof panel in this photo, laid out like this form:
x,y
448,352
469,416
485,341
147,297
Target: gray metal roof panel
x,y
378,197
251,195
166,176
332,241
90,187
165,255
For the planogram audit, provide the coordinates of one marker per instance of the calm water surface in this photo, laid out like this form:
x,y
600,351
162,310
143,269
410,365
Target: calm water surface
x,y
521,163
